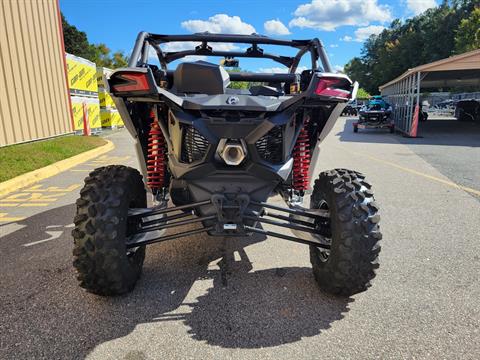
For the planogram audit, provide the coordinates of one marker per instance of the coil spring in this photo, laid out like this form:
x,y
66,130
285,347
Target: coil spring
x,y
301,159
156,157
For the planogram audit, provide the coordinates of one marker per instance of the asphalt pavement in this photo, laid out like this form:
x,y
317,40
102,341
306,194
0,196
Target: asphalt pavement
x,y
255,298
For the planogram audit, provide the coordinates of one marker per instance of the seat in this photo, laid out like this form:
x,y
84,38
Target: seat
x,y
200,77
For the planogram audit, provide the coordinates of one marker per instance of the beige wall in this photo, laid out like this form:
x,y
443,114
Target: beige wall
x,y
34,101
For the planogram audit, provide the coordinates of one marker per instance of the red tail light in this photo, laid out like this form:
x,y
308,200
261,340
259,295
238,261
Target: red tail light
x,y
333,87
131,82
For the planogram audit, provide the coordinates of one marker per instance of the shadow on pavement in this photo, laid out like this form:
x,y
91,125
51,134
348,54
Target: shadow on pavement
x,y
46,315
432,132
263,309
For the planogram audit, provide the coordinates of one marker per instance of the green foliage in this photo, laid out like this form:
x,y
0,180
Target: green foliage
x,y
425,38
238,84
76,43
467,37
362,94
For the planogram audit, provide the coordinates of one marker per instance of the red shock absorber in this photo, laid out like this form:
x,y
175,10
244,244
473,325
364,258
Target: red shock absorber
x,y
156,156
301,159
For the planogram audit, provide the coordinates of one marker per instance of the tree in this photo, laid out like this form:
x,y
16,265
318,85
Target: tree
x,y
119,60
238,84
433,35
101,55
76,43
467,36
362,94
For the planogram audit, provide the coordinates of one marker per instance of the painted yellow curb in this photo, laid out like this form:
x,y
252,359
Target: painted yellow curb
x,y
32,177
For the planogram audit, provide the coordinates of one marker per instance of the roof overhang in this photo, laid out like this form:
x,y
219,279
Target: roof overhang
x,y
459,70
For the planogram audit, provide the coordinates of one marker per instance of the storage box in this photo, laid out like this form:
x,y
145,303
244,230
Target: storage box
x,y
110,118
92,107
77,110
106,100
102,72
82,76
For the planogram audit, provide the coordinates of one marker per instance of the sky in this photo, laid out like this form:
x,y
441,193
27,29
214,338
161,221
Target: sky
x,y
342,25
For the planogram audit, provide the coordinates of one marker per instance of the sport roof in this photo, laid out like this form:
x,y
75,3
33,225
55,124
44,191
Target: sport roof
x,y
314,46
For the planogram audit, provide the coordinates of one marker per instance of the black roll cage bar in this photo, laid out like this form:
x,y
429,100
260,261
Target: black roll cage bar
x,y
140,53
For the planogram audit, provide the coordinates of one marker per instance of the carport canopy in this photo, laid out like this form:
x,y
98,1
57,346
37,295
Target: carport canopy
x,y
404,91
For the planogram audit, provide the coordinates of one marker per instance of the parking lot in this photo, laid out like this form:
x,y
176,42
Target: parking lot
x,y
255,298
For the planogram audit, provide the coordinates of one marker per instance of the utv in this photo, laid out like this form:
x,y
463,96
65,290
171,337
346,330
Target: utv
x,y
212,155
375,115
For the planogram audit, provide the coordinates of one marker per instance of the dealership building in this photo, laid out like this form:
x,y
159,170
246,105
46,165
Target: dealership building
x,y
34,101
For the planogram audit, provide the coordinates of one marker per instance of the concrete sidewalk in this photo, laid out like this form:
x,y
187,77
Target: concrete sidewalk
x,y
255,298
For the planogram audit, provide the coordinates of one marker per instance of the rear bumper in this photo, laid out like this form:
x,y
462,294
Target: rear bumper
x,y
374,126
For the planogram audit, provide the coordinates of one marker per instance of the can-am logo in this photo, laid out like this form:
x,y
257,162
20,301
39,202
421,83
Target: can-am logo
x,y
233,100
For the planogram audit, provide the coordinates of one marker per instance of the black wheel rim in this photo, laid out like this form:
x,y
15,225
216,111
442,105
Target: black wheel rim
x,y
131,229
324,228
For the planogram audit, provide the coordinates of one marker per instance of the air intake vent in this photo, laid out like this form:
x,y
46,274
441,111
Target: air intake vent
x,y
270,146
194,145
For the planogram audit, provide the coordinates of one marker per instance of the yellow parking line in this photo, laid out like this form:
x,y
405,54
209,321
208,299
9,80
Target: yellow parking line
x,y
7,205
412,171
35,205
5,218
49,199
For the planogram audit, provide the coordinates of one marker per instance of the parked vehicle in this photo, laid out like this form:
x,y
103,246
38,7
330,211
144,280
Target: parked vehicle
x,y
468,110
350,109
375,115
218,154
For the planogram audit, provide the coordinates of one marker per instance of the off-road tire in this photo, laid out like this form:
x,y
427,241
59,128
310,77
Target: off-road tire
x,y
355,129
100,254
355,234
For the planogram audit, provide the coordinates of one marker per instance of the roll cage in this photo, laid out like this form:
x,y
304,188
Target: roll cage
x,y
141,50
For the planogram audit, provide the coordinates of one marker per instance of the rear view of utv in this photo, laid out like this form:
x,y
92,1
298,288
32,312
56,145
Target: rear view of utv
x,y
211,155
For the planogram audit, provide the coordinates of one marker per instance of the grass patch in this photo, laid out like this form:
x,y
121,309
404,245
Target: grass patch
x,y
22,158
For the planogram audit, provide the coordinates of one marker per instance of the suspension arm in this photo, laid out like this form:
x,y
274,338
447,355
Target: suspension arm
x,y
286,237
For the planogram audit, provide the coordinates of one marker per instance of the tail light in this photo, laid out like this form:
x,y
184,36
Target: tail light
x,y
132,82
334,87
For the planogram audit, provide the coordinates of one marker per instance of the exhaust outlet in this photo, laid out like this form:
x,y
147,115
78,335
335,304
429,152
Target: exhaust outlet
x,y
232,151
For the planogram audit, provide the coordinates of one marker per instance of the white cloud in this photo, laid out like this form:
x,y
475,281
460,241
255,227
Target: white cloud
x,y
219,23
280,70
363,33
333,45
419,6
338,68
329,14
275,27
